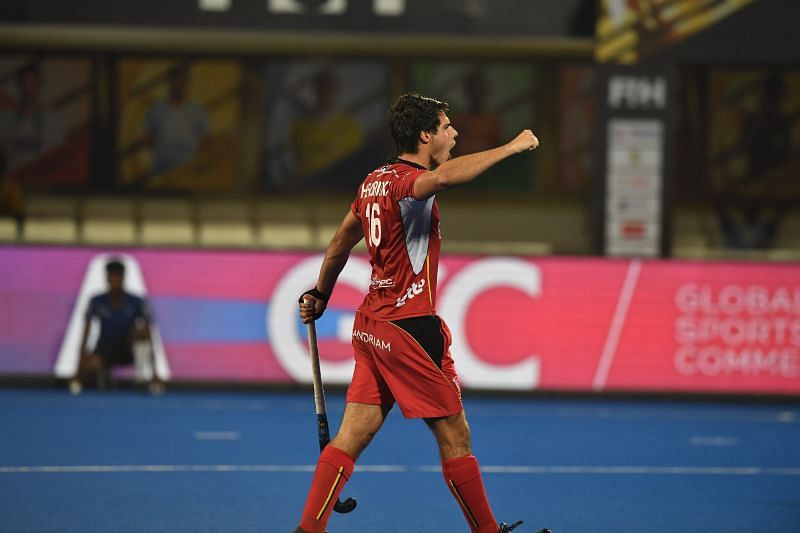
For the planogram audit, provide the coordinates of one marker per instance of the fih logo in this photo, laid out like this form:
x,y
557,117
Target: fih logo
x,y
637,92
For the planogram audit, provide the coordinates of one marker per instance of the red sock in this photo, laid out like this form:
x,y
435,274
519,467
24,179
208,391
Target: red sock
x,y
334,468
463,477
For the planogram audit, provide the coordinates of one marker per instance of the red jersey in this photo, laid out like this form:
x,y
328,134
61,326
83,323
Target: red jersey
x,y
403,238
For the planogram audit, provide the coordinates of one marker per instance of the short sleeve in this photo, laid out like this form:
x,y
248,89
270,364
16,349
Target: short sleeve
x,y
404,186
143,310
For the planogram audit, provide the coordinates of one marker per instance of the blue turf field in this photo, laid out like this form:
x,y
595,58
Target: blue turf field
x,y
241,462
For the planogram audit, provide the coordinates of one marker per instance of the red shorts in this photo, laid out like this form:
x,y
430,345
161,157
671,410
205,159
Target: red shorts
x,y
391,365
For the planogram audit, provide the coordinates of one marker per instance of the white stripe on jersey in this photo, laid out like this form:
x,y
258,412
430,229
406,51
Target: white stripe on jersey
x,y
416,217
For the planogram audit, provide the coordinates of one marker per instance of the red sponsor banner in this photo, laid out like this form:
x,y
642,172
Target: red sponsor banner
x,y
711,327
632,325
517,323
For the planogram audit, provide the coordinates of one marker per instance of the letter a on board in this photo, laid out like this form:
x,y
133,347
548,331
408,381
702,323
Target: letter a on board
x,y
94,282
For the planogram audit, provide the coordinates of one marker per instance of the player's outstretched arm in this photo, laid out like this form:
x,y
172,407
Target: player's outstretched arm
x,y
346,237
464,169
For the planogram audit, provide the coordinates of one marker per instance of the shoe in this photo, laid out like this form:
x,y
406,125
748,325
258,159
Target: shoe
x,y
505,528
75,387
156,388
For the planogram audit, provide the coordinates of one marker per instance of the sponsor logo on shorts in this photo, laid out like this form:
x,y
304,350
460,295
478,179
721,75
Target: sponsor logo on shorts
x,y
413,290
457,385
369,338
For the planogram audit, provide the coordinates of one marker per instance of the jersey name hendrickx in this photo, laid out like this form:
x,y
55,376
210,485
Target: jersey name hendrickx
x,y
376,188
371,339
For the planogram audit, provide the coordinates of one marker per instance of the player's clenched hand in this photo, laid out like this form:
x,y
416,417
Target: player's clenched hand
x,y
524,141
311,309
312,305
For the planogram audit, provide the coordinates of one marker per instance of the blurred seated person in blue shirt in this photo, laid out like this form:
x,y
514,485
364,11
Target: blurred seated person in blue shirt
x,y
124,334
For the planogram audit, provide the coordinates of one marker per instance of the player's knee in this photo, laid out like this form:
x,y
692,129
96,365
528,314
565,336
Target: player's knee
x,y
352,443
452,435
356,437
92,362
449,449
458,438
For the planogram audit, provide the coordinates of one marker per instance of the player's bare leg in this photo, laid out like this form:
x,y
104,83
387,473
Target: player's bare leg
x,y
144,354
88,365
452,435
360,424
462,473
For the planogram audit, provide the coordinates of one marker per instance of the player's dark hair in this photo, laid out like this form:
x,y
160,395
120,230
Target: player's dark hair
x,y
115,266
410,115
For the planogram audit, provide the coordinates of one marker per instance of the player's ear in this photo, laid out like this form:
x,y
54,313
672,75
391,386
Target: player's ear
x,y
424,137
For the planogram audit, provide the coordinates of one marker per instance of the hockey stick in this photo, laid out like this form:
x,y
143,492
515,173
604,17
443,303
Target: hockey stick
x,y
322,415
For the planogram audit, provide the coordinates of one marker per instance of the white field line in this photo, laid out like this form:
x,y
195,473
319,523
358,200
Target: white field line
x,y
489,469
714,441
217,435
617,323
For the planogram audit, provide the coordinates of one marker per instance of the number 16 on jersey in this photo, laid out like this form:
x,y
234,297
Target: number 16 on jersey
x,y
373,212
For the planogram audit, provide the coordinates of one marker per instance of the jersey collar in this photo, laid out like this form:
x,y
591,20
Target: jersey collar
x,y
394,160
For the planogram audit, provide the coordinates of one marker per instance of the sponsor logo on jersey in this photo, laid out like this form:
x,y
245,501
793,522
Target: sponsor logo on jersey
x,y
413,290
386,169
373,340
376,188
376,283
